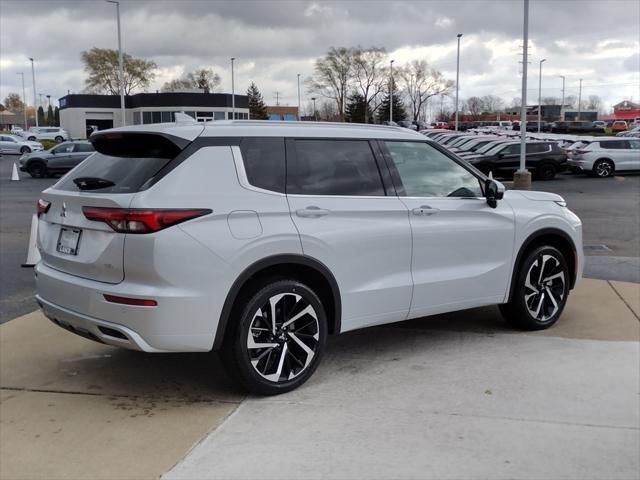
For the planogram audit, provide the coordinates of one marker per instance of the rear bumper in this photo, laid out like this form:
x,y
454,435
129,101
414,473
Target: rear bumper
x,y
580,165
182,321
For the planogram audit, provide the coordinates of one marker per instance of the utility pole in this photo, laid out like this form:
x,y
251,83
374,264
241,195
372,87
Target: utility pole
x,y
457,79
233,91
315,117
562,103
391,92
120,62
540,95
298,97
579,101
24,102
277,98
522,178
33,77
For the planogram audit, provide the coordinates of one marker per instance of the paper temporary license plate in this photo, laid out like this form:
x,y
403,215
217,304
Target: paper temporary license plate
x,y
68,241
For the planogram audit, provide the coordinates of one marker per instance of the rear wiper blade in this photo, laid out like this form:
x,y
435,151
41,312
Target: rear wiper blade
x,y
92,183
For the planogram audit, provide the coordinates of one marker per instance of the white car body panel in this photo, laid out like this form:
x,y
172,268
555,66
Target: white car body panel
x,y
388,264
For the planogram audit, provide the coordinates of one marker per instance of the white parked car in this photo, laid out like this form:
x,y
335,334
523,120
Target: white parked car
x,y
188,237
15,144
46,133
602,157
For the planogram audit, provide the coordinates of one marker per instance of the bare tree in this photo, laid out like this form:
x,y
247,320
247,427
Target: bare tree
x,y
204,78
331,76
594,103
551,101
571,101
369,75
475,106
420,83
492,104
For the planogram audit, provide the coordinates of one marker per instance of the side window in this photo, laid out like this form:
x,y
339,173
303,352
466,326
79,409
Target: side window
x,y
538,147
614,144
334,167
511,149
84,147
264,162
65,148
634,144
426,172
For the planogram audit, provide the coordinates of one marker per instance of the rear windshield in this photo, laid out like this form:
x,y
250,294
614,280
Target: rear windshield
x,y
127,174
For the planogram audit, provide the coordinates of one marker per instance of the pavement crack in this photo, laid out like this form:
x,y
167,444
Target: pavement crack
x,y
623,300
120,395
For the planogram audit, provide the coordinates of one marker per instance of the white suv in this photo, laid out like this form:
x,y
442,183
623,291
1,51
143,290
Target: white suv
x,y
46,133
261,238
602,157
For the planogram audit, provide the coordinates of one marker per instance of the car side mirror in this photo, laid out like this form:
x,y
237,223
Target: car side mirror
x,y
493,191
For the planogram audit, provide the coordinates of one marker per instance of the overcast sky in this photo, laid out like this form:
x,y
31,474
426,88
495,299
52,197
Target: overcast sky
x,y
598,41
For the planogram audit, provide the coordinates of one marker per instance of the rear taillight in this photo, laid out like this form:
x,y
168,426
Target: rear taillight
x,y
42,206
138,302
579,152
124,220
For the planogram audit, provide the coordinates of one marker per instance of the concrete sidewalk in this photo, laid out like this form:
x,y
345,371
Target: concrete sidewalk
x,y
453,396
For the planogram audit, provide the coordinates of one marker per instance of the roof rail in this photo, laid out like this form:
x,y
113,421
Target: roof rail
x,y
290,123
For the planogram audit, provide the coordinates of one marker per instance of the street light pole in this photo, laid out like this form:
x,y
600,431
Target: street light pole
x,y
562,103
298,97
315,117
540,94
33,77
24,102
391,92
457,79
233,91
580,101
120,62
522,178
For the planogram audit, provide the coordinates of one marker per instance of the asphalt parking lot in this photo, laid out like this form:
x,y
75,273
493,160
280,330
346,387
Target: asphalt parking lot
x,y
609,209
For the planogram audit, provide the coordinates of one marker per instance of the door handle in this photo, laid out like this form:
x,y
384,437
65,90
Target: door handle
x,y
312,212
425,210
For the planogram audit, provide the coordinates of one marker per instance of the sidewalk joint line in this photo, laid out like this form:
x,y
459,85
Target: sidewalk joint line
x,y
623,300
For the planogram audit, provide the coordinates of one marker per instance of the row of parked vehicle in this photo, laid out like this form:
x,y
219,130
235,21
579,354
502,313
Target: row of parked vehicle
x,y
57,134
498,152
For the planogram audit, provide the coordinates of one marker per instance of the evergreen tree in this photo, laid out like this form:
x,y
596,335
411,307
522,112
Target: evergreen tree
x,y
257,107
50,119
41,119
56,117
356,108
399,112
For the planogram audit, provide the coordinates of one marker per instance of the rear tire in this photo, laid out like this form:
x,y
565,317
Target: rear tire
x,y
32,139
269,358
546,171
24,150
37,170
59,139
603,168
540,292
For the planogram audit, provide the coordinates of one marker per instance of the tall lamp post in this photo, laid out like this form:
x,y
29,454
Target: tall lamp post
x,y
315,117
49,120
457,78
580,101
298,97
391,92
233,91
120,61
562,102
540,94
35,100
522,178
24,102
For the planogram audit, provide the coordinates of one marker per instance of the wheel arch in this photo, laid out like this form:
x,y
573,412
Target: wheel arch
x,y
547,236
303,267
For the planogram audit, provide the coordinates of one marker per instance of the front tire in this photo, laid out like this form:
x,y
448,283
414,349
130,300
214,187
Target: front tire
x,y
603,168
59,139
31,139
540,292
37,170
546,171
278,339
24,150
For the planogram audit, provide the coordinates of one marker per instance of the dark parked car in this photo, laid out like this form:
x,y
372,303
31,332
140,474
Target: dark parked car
x,y
543,159
59,159
532,126
575,127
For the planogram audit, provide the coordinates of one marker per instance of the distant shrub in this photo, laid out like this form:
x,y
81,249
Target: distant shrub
x,y
47,144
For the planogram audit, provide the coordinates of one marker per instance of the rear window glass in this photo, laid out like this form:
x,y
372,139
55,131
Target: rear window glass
x,y
614,144
128,174
264,162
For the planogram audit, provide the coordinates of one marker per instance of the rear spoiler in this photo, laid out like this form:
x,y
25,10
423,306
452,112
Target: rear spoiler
x,y
138,144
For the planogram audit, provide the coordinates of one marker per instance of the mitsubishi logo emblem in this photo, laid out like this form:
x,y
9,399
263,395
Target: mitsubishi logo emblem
x,y
63,213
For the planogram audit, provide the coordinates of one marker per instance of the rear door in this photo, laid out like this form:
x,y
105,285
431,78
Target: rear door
x,y
71,243
349,220
634,154
60,157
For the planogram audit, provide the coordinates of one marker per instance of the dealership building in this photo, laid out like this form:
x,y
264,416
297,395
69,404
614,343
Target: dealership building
x,y
78,113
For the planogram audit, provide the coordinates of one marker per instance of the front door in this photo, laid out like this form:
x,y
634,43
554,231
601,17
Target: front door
x,y
462,248
346,220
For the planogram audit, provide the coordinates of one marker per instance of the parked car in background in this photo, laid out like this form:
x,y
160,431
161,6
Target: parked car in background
x,y
633,132
602,157
57,134
543,159
601,125
15,144
16,130
407,124
581,126
59,159
150,245
532,126
484,148
619,126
